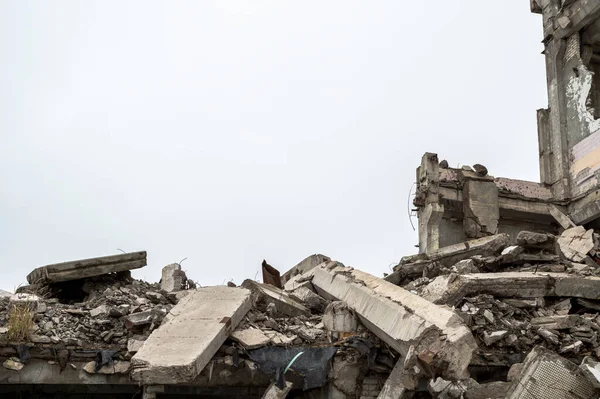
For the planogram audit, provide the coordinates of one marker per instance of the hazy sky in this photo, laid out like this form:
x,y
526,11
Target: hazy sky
x,y
231,131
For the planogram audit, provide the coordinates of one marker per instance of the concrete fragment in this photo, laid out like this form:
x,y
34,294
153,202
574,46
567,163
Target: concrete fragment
x,y
134,345
400,318
487,246
273,392
3,330
491,390
138,319
338,317
525,302
576,242
480,207
561,218
450,290
87,268
13,364
393,388
101,310
30,300
5,294
443,389
304,266
173,278
493,337
556,322
591,370
465,266
39,339
529,239
548,336
178,351
311,300
250,338
299,280
282,300
550,376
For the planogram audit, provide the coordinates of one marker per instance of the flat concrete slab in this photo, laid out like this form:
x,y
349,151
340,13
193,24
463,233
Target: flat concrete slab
x,y
85,268
250,338
198,325
451,289
401,318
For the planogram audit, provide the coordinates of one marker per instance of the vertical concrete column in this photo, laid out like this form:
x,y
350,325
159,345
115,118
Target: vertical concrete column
x,y
480,207
427,197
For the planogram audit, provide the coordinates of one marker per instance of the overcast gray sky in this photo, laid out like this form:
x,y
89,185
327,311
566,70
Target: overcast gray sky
x,y
231,131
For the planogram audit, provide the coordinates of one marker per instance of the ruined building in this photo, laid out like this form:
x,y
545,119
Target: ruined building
x,y
502,299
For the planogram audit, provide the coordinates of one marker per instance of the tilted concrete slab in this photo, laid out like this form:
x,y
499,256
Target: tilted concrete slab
x,y
199,324
451,289
283,301
304,266
87,268
400,318
545,374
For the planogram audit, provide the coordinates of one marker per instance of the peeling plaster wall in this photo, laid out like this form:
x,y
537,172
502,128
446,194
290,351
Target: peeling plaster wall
x,y
583,130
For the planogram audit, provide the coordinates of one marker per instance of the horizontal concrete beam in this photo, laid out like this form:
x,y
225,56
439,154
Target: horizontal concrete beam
x,y
87,268
400,318
451,289
579,15
177,351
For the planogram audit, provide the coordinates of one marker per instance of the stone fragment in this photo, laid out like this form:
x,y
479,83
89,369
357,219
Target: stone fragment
x,y
400,318
561,218
85,268
177,351
29,300
173,278
465,266
556,322
308,334
3,330
489,316
525,302
514,371
480,169
548,336
575,347
39,339
250,338
550,376
576,242
13,364
493,337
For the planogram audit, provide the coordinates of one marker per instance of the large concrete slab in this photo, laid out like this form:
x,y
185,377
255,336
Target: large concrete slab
x,y
87,268
199,324
545,374
400,318
451,289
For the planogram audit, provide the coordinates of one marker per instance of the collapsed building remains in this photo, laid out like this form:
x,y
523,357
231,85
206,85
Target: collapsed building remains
x,y
502,299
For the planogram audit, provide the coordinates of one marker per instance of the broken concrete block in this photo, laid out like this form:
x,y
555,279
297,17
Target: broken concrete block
x,y
443,389
273,392
282,300
591,370
487,246
451,289
480,208
304,266
525,303
173,278
550,376
491,390
400,318
177,351
87,268
31,301
338,317
465,266
557,322
250,338
138,319
575,243
299,280
312,301
529,239
561,218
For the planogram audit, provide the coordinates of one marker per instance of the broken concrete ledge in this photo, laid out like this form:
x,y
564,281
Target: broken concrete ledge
x,y
85,268
305,265
452,288
199,324
400,318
